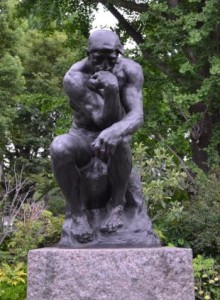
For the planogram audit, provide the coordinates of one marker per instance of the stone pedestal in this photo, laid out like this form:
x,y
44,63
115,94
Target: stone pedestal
x,y
110,274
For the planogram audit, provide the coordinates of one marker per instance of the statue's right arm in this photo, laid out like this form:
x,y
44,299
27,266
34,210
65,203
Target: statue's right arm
x,y
76,87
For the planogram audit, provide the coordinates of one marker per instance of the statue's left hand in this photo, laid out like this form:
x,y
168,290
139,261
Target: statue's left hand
x,y
106,143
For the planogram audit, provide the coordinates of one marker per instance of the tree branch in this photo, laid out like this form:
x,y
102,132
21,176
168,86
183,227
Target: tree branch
x,y
137,37
182,163
130,5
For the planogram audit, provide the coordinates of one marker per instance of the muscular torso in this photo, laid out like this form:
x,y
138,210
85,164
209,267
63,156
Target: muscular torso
x,y
81,119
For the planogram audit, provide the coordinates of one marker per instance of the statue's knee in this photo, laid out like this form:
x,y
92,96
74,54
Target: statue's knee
x,y
123,148
59,151
122,154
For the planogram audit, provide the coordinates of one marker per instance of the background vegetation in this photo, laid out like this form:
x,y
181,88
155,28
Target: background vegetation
x,y
177,150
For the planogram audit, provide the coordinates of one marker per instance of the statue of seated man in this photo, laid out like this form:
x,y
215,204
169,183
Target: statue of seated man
x,y
105,93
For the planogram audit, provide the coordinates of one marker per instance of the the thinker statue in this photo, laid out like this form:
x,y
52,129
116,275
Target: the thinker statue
x,y
92,162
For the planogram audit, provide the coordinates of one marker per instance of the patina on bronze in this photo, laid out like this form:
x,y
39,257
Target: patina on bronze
x,y
92,162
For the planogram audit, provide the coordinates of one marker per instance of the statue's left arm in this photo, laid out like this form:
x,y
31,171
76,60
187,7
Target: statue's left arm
x,y
131,98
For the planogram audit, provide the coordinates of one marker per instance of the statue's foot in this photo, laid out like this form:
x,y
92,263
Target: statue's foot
x,y
113,220
81,229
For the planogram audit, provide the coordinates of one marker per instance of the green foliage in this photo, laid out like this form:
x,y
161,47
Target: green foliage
x,y
13,281
38,228
9,35
11,79
162,178
11,70
57,14
182,220
34,227
207,278
56,203
203,216
11,84
12,275
164,187
192,222
34,108
185,210
45,60
15,292
180,52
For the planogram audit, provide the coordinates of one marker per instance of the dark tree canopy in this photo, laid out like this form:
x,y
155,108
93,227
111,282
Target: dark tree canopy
x,y
180,45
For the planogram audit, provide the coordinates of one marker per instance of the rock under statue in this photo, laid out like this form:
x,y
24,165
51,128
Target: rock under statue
x,y
92,162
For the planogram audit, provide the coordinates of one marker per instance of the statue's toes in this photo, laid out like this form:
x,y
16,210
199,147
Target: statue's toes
x,y
88,237
85,237
115,226
104,229
111,227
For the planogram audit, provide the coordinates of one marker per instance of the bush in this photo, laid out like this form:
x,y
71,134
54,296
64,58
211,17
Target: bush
x,y
203,215
162,178
164,186
35,228
207,278
185,210
185,213
56,203
31,234
13,281
15,292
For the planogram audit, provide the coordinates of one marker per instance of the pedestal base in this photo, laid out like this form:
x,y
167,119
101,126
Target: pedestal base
x,y
110,274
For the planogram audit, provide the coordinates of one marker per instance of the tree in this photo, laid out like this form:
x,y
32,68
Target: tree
x,y
33,105
11,71
179,42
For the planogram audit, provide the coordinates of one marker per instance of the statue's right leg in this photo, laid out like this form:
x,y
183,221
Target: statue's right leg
x,y
69,152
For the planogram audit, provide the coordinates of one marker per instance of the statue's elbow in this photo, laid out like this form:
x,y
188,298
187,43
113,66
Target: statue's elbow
x,y
73,84
140,120
67,83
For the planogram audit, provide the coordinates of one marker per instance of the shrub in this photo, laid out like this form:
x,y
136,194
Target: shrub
x,y
162,178
56,203
203,217
34,228
31,234
13,281
207,278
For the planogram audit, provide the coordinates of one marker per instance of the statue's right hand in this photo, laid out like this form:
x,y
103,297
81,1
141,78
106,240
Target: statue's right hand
x,y
106,143
103,80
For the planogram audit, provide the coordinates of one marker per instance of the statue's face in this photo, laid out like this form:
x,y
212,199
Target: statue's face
x,y
103,60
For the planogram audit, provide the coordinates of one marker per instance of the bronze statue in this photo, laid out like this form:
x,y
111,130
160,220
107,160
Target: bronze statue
x,y
92,162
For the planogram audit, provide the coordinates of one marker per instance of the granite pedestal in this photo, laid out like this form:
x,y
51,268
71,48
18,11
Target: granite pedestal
x,y
110,274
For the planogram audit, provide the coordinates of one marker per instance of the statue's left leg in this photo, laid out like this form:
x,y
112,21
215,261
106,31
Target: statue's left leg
x,y
119,169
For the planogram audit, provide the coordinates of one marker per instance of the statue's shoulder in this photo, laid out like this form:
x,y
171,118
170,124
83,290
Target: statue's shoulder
x,y
131,69
129,65
80,66
78,71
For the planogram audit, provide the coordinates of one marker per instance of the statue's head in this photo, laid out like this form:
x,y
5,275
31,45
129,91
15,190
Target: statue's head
x,y
103,49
